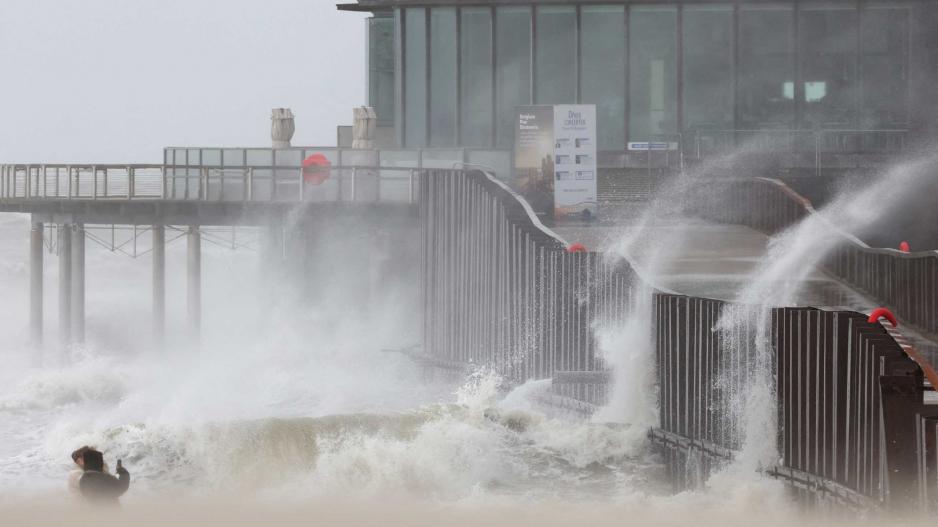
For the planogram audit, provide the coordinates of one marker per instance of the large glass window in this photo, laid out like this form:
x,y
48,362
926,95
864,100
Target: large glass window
x,y
603,57
381,76
399,80
513,67
652,72
476,87
708,68
555,55
766,74
828,40
415,82
884,46
443,76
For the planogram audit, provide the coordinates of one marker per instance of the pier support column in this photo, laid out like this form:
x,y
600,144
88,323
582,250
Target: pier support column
x,y
78,283
194,274
272,259
35,283
159,284
273,245
65,283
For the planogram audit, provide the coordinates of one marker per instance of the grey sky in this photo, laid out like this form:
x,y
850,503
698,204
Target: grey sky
x,y
117,80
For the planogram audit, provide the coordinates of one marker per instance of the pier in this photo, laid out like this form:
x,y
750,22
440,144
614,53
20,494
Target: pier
x,y
198,190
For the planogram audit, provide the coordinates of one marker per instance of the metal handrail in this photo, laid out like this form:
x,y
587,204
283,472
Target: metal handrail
x,y
211,183
251,174
906,282
860,244
795,141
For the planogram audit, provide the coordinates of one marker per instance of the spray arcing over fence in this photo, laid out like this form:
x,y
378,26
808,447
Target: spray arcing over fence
x,y
793,258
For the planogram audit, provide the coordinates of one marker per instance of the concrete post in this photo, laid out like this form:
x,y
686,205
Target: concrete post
x,y
194,282
282,127
35,283
65,284
78,283
159,284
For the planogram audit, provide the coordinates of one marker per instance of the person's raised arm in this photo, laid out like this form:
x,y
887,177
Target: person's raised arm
x,y
123,479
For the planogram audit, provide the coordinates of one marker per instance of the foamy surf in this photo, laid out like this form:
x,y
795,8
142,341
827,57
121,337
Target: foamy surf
x,y
472,447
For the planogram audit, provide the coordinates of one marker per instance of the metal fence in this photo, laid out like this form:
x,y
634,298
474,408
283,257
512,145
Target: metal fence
x,y
501,290
798,149
82,182
247,175
853,426
905,282
207,184
356,174
821,141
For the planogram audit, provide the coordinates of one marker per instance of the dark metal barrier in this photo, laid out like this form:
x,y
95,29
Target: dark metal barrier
x,y
905,282
501,290
926,431
853,426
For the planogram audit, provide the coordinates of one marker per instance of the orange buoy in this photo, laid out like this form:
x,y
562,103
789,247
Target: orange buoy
x,y
576,248
882,312
904,247
316,169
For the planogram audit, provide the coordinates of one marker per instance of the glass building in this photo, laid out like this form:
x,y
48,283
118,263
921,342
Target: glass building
x,y
446,73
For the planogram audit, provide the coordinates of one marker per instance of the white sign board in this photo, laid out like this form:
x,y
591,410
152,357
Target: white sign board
x,y
555,159
575,165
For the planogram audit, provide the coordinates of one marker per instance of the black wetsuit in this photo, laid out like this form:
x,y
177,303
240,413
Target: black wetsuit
x,y
101,488
98,486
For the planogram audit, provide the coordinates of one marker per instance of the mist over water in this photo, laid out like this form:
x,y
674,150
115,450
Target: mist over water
x,y
291,395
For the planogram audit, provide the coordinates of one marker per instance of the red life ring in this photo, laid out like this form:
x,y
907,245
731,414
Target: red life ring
x,y
316,169
882,312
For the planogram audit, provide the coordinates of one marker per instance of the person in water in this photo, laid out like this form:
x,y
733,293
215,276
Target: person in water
x,y
75,475
96,485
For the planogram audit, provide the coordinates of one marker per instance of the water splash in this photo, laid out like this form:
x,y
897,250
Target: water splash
x,y
793,258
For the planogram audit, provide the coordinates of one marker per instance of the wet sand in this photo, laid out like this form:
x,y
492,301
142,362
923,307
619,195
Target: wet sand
x,y
238,513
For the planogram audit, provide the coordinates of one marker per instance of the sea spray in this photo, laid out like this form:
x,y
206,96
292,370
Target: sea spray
x,y
629,351
746,384
793,257
650,244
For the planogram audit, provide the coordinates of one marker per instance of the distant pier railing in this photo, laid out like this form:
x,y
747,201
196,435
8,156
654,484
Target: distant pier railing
x,y
206,183
48,181
207,174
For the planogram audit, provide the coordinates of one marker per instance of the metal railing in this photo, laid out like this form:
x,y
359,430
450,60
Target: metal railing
x,y
798,149
82,182
853,426
245,174
205,184
501,290
275,174
905,282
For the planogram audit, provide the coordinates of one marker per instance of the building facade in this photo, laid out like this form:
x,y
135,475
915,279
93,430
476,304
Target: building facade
x,y
448,73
